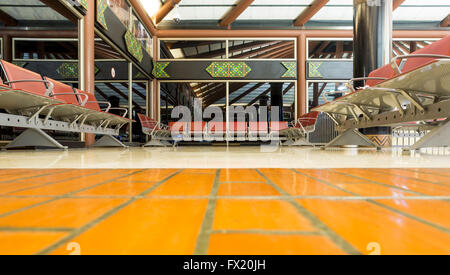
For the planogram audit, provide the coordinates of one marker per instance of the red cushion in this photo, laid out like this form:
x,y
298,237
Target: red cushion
x,y
441,47
92,102
14,72
386,71
61,88
146,122
309,119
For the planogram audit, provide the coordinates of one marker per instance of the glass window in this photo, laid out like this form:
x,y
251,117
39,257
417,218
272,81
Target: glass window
x,y
46,49
404,47
142,35
261,49
330,49
121,10
321,92
192,49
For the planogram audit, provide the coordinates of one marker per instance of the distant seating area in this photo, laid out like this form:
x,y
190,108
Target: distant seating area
x,y
162,135
412,89
39,103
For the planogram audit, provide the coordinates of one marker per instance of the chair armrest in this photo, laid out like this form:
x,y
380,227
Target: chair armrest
x,y
49,91
396,68
324,95
119,108
102,102
82,103
349,83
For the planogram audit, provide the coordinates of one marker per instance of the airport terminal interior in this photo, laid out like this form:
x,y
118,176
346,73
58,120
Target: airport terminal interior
x,y
234,127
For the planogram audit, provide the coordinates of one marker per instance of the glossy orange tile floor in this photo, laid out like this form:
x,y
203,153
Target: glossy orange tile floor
x,y
225,211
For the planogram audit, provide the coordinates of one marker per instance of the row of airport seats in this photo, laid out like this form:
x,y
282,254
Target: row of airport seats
x,y
412,90
40,103
162,135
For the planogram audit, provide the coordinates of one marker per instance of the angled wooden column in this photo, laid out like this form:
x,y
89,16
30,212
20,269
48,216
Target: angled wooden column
x,y
397,4
155,94
89,56
164,10
301,77
7,47
309,12
234,13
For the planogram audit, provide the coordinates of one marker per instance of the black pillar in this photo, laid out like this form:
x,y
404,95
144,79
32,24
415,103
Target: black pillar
x,y
372,36
372,43
263,116
276,98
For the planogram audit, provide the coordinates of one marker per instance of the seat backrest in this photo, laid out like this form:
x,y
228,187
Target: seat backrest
x,y
309,119
441,47
92,102
148,124
278,125
386,71
63,92
14,73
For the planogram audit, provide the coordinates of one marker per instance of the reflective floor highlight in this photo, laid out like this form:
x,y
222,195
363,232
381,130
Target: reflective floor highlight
x,y
225,211
225,157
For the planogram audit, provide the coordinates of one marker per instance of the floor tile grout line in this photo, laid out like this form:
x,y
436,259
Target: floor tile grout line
x,y
315,221
267,232
35,229
135,181
54,182
105,216
378,183
424,172
203,238
228,182
57,198
411,178
103,197
404,214
36,176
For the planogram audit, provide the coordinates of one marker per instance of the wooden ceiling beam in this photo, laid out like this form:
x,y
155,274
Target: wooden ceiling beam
x,y
140,10
222,93
232,49
7,19
263,50
236,99
270,53
100,92
309,12
397,4
141,95
234,13
445,22
258,97
288,88
320,48
164,10
61,9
